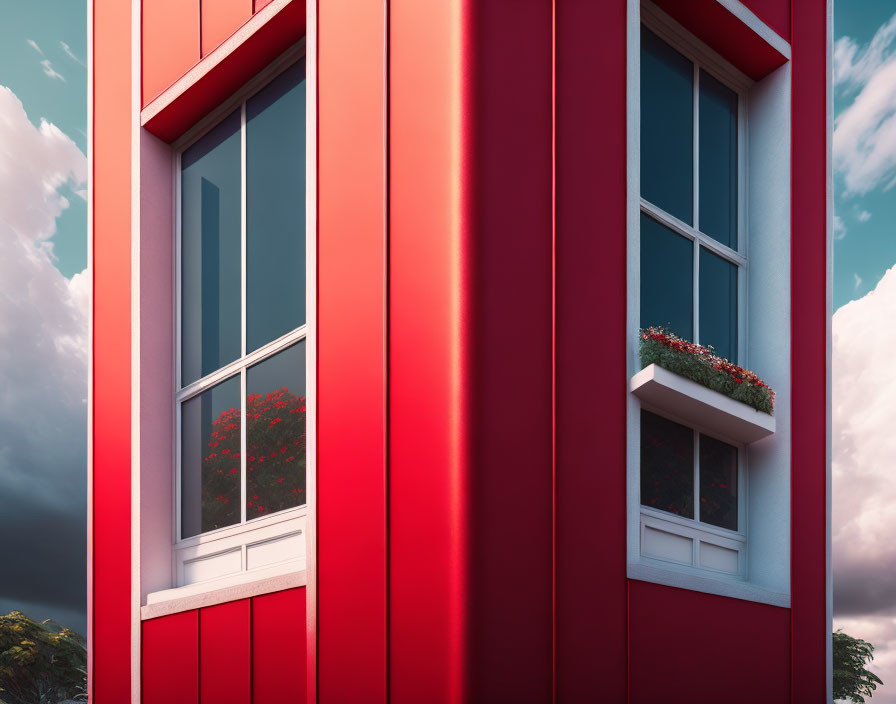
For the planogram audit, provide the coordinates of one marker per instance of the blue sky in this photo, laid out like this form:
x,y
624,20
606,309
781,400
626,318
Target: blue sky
x,y
56,91
867,221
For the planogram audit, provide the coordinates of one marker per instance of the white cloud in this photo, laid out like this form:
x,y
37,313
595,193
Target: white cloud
x,y
865,131
863,216
68,50
839,228
50,71
864,490
43,319
858,281
33,45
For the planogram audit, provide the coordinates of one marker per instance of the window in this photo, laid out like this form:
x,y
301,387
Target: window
x,y
692,249
692,281
241,361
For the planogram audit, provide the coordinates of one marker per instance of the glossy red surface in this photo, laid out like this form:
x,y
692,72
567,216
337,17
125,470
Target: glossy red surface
x,y
590,363
431,214
722,31
351,473
170,660
703,649
278,648
272,39
809,373
170,43
109,606
507,393
220,19
225,664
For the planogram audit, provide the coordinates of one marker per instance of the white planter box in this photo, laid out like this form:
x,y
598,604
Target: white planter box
x,y
696,405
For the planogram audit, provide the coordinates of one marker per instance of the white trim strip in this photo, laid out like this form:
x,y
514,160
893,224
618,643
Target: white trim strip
x,y
757,26
198,596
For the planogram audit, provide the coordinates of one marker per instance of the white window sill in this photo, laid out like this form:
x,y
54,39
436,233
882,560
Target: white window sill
x,y
286,575
683,578
699,406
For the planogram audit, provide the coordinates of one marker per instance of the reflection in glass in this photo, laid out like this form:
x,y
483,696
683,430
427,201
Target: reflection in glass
x,y
210,459
718,483
667,128
667,279
718,304
718,160
275,427
210,251
275,208
667,465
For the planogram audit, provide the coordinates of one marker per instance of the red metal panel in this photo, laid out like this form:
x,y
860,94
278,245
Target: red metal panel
x,y
351,499
508,344
775,13
429,374
170,659
225,657
220,19
720,29
278,648
257,51
704,649
260,4
590,351
809,373
170,43
110,520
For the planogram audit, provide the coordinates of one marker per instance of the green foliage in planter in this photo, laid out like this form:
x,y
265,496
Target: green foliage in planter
x,y
852,681
701,365
40,663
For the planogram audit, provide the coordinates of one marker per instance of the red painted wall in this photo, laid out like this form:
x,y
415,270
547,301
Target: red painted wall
x,y
250,651
220,19
590,351
702,649
352,399
810,502
109,547
775,13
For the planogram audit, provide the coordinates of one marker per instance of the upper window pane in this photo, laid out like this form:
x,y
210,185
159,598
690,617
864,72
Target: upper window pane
x,y
210,251
667,279
667,465
667,128
718,160
718,483
718,304
275,209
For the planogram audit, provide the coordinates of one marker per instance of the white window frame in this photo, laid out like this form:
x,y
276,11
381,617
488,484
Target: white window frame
x,y
699,533
213,554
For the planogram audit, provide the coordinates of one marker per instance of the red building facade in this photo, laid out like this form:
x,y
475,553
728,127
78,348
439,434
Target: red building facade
x,y
461,261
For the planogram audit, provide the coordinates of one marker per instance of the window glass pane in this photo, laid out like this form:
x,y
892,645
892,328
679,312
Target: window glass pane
x,y
210,459
718,483
718,304
667,127
275,208
210,251
667,465
667,279
718,160
275,427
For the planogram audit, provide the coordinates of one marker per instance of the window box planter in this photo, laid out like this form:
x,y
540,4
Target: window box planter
x,y
697,405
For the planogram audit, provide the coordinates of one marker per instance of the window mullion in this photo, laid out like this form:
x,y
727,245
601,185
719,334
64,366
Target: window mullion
x,y
696,476
243,403
696,148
